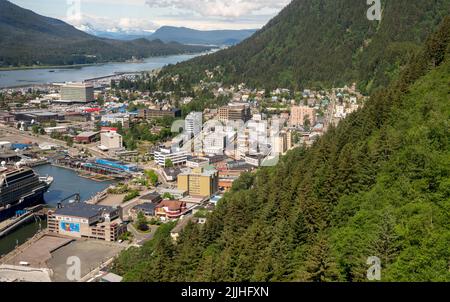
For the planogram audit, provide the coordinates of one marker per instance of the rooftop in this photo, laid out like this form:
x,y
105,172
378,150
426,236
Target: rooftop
x,y
84,210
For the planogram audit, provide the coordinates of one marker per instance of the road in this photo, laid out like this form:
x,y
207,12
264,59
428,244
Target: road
x,y
6,131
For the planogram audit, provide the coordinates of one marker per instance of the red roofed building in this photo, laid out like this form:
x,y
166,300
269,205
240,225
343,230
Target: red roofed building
x,y
90,110
108,129
170,209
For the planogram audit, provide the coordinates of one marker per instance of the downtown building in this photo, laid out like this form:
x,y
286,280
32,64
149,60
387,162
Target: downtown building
x,y
83,220
300,114
77,92
193,124
234,112
199,182
176,156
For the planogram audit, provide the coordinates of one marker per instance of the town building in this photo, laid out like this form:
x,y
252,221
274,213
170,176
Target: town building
x,y
37,116
77,92
170,209
146,113
196,162
177,157
82,220
199,182
57,129
153,197
193,124
116,118
234,112
110,141
147,208
300,114
87,137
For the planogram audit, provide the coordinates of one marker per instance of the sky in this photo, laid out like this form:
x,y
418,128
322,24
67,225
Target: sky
x,y
149,15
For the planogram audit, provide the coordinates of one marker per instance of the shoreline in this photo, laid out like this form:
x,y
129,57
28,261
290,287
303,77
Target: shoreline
x,y
74,66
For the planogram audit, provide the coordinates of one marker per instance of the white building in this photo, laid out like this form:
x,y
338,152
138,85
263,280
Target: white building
x,y
177,156
57,129
115,118
214,143
110,141
193,123
4,146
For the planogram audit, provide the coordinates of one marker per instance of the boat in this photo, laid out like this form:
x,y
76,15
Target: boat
x,y
20,188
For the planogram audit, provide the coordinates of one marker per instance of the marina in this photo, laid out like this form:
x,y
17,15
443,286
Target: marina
x,y
65,183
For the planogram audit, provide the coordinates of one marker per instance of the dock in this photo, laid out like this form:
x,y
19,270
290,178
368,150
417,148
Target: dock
x,y
12,224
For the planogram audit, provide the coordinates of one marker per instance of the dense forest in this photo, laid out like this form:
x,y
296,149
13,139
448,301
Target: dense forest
x,y
317,43
27,39
377,185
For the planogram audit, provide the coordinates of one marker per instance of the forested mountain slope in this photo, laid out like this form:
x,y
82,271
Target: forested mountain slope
x,y
325,42
377,185
27,38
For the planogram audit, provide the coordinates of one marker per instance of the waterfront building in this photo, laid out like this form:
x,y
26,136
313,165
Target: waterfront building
x,y
82,220
299,115
199,182
77,92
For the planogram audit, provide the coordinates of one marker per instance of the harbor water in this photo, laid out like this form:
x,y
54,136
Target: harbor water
x,y
12,78
66,182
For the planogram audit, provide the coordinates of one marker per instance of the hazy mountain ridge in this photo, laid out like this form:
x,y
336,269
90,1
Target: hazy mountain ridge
x,y
27,38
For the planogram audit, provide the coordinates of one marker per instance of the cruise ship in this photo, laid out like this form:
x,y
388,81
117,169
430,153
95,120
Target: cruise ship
x,y
20,188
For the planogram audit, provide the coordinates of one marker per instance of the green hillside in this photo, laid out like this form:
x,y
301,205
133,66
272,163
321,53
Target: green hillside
x,y
325,42
28,39
377,185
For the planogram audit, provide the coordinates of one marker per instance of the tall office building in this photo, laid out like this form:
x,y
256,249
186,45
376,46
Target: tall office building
x,y
77,92
193,124
199,182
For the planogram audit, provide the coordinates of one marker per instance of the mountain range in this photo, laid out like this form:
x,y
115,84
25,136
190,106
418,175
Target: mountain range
x,y
325,43
182,35
27,38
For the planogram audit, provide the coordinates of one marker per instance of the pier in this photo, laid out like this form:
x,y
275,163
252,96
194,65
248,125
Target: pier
x,y
12,224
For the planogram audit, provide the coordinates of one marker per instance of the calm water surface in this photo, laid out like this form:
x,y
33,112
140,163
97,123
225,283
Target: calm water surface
x,y
42,76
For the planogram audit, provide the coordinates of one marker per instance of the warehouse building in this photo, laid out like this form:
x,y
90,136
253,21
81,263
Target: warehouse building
x,y
82,220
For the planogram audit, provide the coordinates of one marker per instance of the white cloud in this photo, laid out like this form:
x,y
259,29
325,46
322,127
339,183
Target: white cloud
x,y
220,8
86,22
